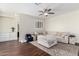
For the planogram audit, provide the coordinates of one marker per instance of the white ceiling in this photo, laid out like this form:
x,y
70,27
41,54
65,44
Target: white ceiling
x,y
32,9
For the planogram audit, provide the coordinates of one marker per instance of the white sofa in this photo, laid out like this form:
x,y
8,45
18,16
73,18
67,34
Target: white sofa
x,y
61,36
47,40
54,37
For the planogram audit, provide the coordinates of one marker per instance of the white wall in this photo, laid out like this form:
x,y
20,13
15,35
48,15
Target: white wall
x,y
27,25
68,22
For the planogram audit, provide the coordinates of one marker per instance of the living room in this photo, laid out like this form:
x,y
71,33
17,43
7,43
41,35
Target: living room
x,y
54,27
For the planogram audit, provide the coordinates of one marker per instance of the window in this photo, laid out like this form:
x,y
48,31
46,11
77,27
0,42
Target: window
x,y
39,24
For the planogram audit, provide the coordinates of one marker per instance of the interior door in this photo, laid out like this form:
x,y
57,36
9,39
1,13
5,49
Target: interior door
x,y
6,31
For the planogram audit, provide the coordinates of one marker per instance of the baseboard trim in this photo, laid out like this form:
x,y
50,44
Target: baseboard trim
x,y
7,41
22,41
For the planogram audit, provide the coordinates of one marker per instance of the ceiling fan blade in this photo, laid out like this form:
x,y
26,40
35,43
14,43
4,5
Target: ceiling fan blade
x,y
49,9
40,14
45,10
51,13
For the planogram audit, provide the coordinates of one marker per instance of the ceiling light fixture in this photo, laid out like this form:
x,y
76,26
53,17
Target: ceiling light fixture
x,y
46,14
37,3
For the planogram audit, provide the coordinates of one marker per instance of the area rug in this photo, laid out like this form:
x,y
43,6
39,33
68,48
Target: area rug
x,y
60,49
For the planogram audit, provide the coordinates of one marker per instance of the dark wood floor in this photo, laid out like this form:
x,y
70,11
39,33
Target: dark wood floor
x,y
15,48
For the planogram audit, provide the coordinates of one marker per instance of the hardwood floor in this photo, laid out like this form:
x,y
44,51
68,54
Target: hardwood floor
x,y
15,48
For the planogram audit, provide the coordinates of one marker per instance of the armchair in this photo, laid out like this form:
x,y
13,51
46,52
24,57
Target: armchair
x,y
28,37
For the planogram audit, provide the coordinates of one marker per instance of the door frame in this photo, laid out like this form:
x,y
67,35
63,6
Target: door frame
x,y
17,32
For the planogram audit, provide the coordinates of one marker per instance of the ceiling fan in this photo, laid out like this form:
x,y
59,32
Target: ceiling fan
x,y
46,12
